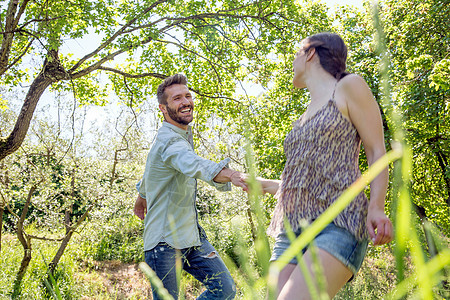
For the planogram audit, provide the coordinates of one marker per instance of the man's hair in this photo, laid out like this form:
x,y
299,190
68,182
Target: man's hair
x,y
332,52
174,79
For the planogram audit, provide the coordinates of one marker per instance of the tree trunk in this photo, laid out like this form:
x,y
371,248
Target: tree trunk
x,y
5,182
1,226
8,35
442,159
26,244
22,270
52,72
443,163
14,140
66,240
113,172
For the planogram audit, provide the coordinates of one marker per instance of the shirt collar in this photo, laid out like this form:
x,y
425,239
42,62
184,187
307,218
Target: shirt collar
x,y
182,132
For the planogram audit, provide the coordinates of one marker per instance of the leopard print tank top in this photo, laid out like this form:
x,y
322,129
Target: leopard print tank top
x,y
322,154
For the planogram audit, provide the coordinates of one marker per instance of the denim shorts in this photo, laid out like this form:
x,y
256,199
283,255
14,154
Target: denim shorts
x,y
337,241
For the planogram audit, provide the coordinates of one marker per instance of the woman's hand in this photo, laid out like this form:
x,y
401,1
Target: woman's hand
x,y
379,226
238,179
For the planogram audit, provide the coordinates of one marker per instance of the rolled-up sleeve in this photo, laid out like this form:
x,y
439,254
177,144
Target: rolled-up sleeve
x,y
179,155
221,186
140,187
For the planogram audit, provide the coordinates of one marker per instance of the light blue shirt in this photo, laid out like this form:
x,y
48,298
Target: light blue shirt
x,y
169,185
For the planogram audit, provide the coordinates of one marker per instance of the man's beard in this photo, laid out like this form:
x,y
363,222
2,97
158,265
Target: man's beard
x,y
173,114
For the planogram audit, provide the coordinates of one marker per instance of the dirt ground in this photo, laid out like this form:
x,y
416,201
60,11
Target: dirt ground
x,y
115,280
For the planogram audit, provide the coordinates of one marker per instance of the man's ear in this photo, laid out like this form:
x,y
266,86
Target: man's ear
x,y
162,108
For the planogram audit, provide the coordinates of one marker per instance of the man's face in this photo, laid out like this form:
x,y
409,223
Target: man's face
x,y
179,110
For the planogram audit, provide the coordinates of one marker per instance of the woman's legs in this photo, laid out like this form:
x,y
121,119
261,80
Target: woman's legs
x,y
284,276
335,272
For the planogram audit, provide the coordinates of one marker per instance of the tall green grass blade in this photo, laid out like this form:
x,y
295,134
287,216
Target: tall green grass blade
x,y
432,268
52,286
155,282
248,275
417,253
423,277
403,219
179,270
312,288
318,272
406,233
261,243
178,264
433,235
239,277
50,289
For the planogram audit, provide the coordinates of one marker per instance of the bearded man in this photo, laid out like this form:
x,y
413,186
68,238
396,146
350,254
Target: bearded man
x,y
167,195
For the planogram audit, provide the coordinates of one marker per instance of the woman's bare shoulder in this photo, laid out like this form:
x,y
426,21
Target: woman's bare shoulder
x,y
355,88
352,81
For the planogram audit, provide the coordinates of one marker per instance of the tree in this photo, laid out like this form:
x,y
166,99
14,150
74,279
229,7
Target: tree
x,y
214,43
418,39
48,189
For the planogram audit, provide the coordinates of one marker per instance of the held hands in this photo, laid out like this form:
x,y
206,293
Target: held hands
x,y
140,207
238,180
379,226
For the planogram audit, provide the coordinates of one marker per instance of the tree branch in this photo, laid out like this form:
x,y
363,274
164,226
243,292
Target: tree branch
x,y
43,238
161,76
114,36
8,36
20,56
127,75
66,239
20,232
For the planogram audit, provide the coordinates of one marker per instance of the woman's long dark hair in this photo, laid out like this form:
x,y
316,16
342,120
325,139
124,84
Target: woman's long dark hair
x,y
332,52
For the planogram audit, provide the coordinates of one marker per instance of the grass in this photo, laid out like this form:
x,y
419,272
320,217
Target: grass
x,y
81,276
33,285
77,276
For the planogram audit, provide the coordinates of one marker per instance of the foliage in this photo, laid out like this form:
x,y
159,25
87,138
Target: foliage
x,y
417,37
33,287
120,239
137,44
219,46
59,188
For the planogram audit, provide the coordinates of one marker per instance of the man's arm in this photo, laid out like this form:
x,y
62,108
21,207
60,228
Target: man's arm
x,y
179,155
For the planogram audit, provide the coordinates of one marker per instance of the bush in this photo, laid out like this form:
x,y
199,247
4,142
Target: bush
x,y
119,239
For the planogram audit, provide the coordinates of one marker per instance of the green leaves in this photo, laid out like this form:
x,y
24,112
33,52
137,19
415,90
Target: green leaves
x,y
440,75
416,66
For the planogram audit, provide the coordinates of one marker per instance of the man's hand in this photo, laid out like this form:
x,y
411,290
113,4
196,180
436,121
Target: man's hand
x,y
235,177
380,227
238,180
140,207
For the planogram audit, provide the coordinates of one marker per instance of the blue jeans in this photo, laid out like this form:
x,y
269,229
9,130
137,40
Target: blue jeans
x,y
202,262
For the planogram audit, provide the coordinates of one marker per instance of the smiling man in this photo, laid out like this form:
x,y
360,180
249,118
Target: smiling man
x,y
166,200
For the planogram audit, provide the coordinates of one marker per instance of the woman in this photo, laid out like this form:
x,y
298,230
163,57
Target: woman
x,y
322,153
